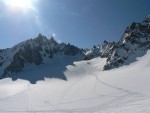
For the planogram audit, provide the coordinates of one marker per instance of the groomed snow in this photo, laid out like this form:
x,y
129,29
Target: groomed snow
x,y
88,89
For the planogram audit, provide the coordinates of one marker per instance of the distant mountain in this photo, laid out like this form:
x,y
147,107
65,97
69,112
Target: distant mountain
x,y
134,43
35,52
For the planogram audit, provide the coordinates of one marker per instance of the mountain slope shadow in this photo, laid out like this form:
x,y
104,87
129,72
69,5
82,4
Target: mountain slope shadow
x,y
52,69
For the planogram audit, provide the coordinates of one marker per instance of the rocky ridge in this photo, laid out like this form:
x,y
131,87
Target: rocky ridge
x,y
134,42
33,51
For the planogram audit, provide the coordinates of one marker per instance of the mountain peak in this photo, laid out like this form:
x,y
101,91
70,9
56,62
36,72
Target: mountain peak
x,y
52,40
147,19
134,42
37,51
41,37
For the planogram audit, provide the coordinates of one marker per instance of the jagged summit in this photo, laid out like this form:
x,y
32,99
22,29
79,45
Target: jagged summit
x,y
147,19
37,51
134,43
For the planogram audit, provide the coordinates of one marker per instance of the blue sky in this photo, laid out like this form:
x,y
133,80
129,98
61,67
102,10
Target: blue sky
x,y
83,23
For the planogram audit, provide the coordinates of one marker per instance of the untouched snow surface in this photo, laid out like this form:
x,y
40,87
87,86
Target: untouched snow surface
x,y
88,89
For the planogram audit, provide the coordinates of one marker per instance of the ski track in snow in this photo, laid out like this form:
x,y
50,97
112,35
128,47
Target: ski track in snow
x,y
118,100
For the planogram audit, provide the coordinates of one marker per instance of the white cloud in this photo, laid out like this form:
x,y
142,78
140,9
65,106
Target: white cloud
x,y
53,35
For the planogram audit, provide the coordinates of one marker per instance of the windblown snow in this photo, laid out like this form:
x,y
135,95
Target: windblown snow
x,y
88,89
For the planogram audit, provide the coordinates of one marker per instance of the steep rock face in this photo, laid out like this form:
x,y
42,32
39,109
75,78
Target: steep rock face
x,y
33,51
135,41
103,51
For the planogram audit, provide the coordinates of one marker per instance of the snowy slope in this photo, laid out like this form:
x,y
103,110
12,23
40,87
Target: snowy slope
x,y
88,89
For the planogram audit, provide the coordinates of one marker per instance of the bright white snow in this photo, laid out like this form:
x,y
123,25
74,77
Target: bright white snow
x,y
88,89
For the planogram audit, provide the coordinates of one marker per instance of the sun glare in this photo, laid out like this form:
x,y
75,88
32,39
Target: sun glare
x,y
19,4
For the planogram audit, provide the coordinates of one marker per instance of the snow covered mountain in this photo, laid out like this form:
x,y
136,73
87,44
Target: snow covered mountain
x,y
88,88
36,52
47,58
134,42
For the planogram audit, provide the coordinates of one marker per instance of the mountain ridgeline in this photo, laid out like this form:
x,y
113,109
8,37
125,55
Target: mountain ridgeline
x,y
134,43
34,51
